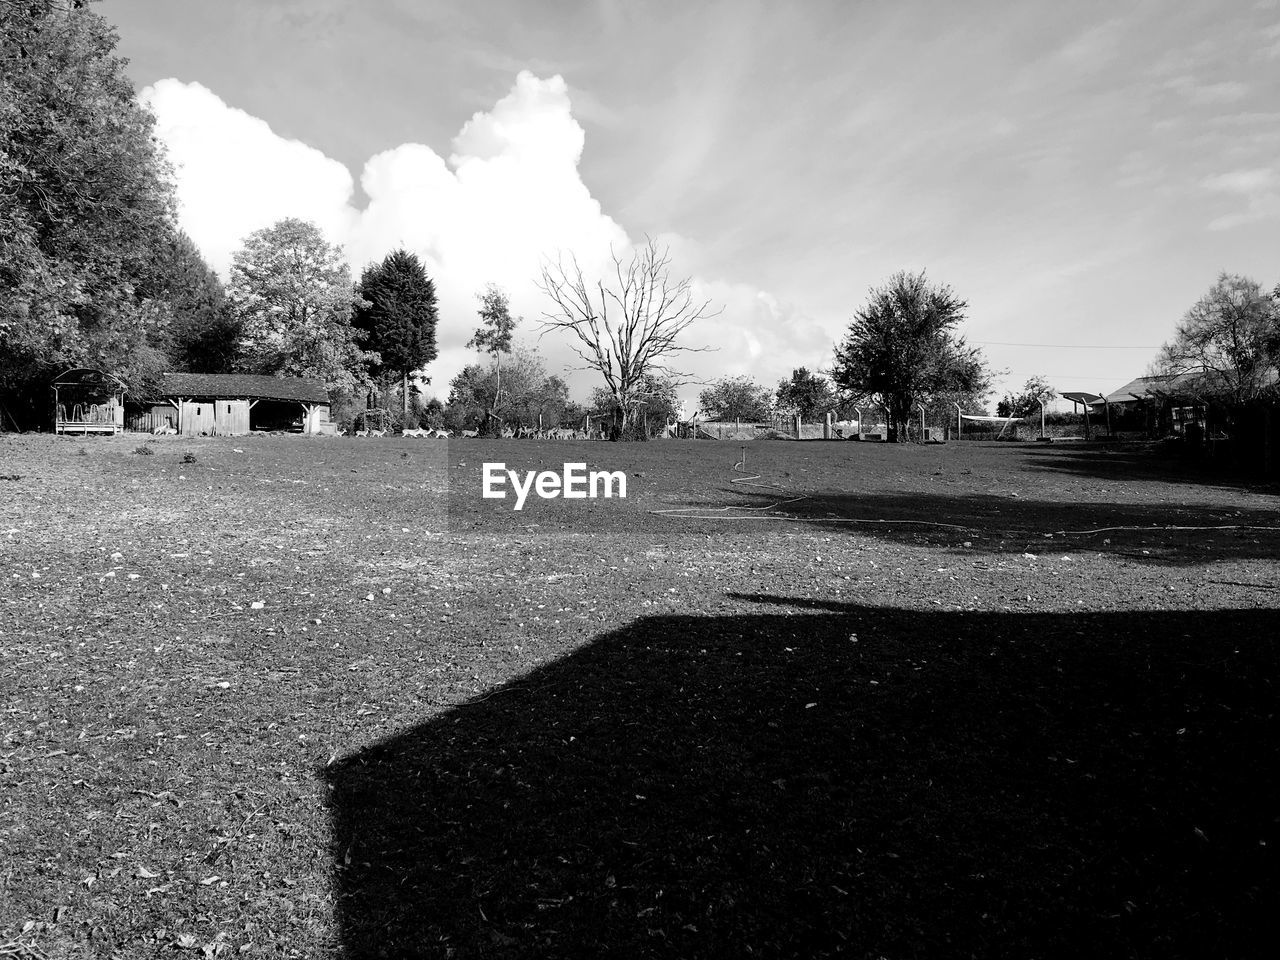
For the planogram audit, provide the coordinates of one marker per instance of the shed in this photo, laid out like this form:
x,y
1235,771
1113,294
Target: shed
x,y
88,401
232,404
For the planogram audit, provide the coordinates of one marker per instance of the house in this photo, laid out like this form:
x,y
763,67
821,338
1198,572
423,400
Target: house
x,y
232,404
1173,404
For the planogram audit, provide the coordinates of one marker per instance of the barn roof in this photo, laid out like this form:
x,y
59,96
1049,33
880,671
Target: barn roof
x,y
243,385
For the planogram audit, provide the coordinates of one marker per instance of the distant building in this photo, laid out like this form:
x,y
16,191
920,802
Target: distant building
x,y
232,404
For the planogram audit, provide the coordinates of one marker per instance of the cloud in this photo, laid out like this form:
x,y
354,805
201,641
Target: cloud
x,y
1256,186
509,195
1208,94
1094,48
235,174
1241,181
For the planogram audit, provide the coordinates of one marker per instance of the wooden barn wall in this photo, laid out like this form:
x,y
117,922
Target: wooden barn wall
x,y
197,417
231,417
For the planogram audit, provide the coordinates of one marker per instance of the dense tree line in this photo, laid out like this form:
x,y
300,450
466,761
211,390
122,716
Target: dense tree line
x,y
90,254
94,270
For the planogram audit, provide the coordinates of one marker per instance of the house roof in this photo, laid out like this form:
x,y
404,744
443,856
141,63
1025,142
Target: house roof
x,y
1143,387
1192,385
243,385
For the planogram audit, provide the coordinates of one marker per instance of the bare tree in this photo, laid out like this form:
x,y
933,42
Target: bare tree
x,y
625,328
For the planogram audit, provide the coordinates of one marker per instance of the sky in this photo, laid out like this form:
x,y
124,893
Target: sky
x,y
1078,173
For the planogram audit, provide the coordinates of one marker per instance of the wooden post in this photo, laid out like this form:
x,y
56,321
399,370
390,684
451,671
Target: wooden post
x,y
1106,407
826,427
1041,418
959,410
797,426
1086,421
922,426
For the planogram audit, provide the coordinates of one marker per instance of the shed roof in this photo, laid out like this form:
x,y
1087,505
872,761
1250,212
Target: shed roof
x,y
243,385
88,377
1141,388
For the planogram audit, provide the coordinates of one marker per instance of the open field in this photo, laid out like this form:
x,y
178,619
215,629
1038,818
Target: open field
x,y
967,700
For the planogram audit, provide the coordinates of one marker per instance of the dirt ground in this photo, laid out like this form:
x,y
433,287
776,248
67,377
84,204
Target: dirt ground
x,y
307,697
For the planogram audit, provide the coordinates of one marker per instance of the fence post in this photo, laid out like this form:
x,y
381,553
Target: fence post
x,y
797,425
826,427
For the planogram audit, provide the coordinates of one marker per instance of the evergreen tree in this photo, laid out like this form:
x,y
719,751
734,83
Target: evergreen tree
x,y
398,316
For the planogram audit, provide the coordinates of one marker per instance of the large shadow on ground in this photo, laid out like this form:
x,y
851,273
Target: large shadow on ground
x,y
1171,533
1167,461
838,780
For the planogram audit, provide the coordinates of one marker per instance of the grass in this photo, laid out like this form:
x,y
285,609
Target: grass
x,y
289,697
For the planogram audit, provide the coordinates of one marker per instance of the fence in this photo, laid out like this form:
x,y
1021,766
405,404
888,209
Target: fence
x,y
89,418
779,427
151,422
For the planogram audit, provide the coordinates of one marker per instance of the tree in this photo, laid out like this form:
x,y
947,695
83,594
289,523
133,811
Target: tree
x,y
205,333
806,394
86,204
902,349
292,291
1036,390
493,337
628,328
1231,339
735,398
470,397
528,393
397,313
657,401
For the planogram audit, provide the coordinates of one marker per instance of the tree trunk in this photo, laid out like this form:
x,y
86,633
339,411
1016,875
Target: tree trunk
x,y
492,425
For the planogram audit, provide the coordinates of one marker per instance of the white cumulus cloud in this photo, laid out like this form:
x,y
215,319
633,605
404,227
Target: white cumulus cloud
x,y
509,195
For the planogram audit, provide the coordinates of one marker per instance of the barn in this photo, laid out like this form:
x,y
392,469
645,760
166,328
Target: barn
x,y
232,404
